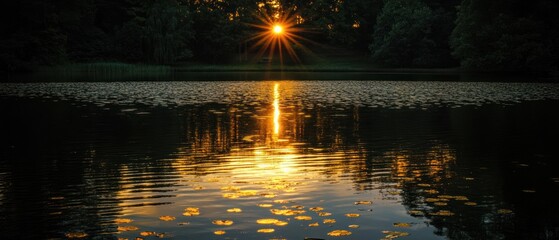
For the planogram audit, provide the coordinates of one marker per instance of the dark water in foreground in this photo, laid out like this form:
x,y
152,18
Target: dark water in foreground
x,y
279,160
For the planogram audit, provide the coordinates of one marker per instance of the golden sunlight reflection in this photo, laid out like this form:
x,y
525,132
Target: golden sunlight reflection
x,y
435,166
271,155
256,161
276,110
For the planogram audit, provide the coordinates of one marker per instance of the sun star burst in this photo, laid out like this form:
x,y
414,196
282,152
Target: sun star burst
x,y
277,35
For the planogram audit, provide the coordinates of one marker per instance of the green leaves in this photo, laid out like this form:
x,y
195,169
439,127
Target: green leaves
x,y
492,37
402,33
167,31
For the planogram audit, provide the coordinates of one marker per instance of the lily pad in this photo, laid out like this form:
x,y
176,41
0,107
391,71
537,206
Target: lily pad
x,y
445,196
123,220
329,221
167,218
504,211
461,198
316,209
76,235
266,221
287,212
394,234
401,224
339,233
431,191
234,210
281,223
222,222
363,203
191,211
148,233
127,228
303,218
324,214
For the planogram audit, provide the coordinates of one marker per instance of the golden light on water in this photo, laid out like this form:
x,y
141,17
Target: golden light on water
x,y
271,167
276,110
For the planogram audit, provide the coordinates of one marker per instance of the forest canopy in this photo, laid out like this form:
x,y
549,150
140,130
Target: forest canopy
x,y
501,35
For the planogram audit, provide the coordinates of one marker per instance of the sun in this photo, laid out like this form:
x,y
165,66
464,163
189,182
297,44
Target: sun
x,y
278,29
278,34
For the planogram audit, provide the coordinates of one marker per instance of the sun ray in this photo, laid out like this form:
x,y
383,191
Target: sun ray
x,y
277,35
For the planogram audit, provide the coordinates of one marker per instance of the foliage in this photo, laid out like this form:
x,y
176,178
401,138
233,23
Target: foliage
x,y
111,68
402,34
221,28
167,32
343,23
129,42
479,35
31,36
85,40
498,37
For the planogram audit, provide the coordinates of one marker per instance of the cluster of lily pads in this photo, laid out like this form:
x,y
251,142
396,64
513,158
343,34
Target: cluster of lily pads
x,y
297,211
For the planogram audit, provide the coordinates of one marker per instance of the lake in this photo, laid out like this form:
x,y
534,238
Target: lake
x,y
279,160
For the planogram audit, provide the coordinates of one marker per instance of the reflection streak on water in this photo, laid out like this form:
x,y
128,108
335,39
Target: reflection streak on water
x,y
276,110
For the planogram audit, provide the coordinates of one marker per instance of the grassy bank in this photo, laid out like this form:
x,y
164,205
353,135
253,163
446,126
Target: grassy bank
x,y
305,68
108,68
330,69
101,71
117,68
253,71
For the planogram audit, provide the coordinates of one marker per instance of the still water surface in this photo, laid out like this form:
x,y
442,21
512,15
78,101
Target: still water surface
x,y
279,160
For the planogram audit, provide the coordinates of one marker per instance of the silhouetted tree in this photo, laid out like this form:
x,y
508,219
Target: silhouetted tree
x,y
220,27
168,32
402,34
506,35
485,35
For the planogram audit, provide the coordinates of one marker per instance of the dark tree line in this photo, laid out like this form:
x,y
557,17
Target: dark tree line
x,y
507,35
476,34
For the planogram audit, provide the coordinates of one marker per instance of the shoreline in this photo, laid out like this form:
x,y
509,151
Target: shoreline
x,y
116,71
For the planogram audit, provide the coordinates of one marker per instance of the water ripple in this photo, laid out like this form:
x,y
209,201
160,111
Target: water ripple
x,y
387,94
